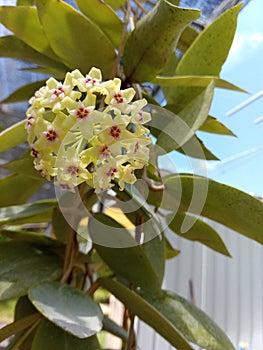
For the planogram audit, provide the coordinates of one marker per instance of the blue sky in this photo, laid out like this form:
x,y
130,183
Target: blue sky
x,y
242,156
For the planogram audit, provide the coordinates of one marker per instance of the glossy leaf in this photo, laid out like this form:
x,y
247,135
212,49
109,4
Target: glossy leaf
x,y
194,81
25,2
170,251
196,326
17,189
23,21
13,136
23,93
214,126
68,308
103,15
78,42
147,313
11,46
22,266
187,38
148,48
40,211
122,254
199,231
51,337
227,205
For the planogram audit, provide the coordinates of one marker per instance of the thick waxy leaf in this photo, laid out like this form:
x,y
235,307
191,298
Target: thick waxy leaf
x,y
79,42
196,148
51,337
13,136
22,266
199,231
125,257
170,251
148,48
17,189
212,125
103,15
23,21
227,205
194,81
146,312
24,93
187,38
205,56
196,326
68,308
11,46
113,328
25,2
181,128
40,211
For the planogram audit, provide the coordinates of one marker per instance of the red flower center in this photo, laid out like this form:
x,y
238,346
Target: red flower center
x,y
118,98
111,172
51,135
82,113
115,132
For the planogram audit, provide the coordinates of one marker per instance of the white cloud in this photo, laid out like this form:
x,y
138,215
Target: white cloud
x,y
243,43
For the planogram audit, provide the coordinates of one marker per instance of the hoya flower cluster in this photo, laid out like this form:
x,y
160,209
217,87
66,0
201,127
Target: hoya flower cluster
x,y
74,139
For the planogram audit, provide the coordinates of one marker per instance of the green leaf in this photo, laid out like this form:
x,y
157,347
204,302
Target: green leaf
x,y
121,252
192,322
199,231
146,312
32,238
79,42
13,136
11,46
148,48
61,227
23,21
40,211
17,326
116,4
23,165
195,148
24,93
50,337
68,308
205,56
181,128
17,189
194,81
22,266
170,251
102,14
187,38
227,205
25,2
212,125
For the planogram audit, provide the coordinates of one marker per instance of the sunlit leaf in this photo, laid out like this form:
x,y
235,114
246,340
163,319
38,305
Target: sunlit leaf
x,y
148,48
199,231
146,312
51,337
22,266
227,205
11,46
13,136
68,308
196,148
116,4
214,126
196,326
23,21
23,93
79,42
187,38
103,15
170,251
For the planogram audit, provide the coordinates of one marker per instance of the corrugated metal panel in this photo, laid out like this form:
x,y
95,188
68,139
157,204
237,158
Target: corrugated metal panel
x,y
228,290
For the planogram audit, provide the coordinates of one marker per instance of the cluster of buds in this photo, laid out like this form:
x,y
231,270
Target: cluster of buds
x,y
74,140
